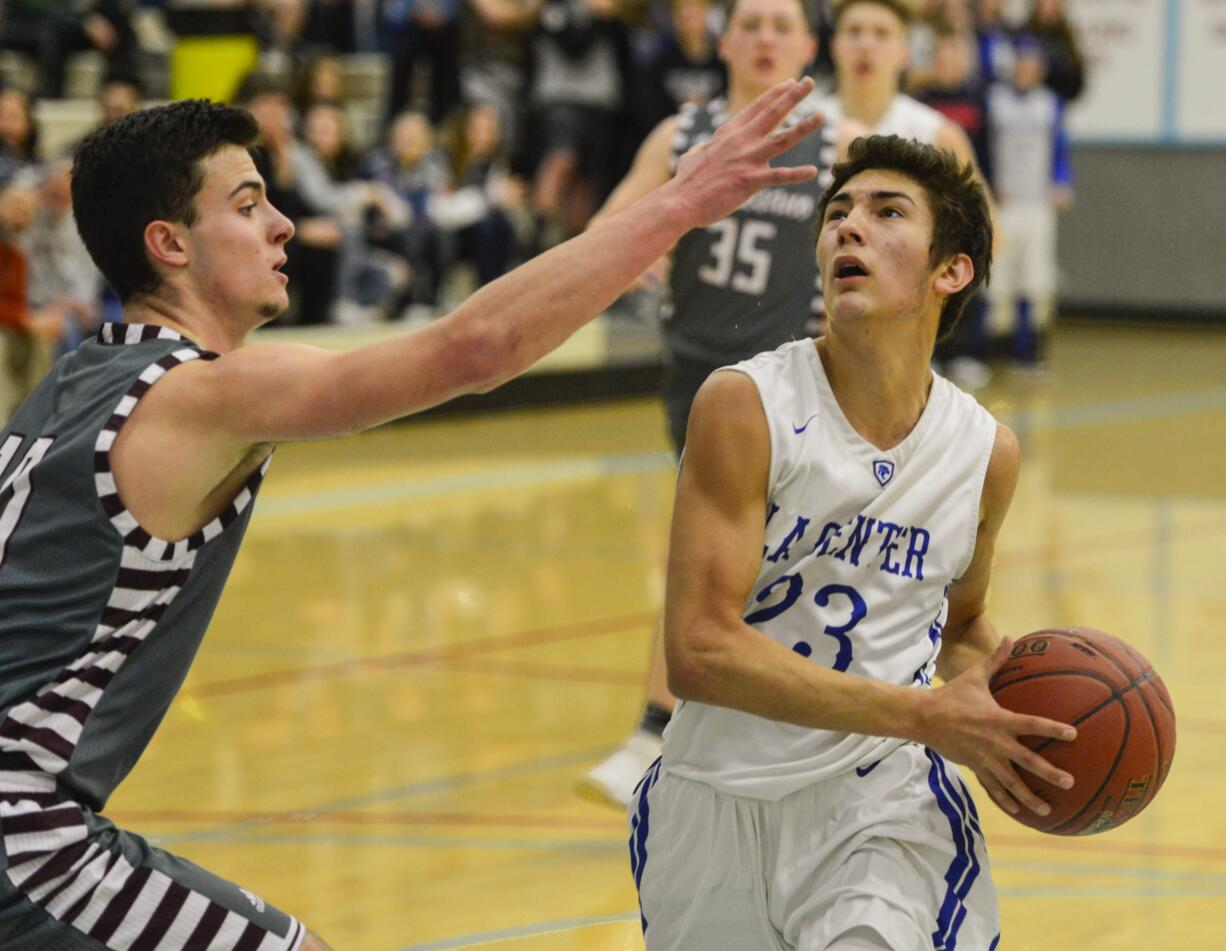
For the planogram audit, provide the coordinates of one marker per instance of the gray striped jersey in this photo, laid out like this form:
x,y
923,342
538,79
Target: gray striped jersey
x,y
748,283
100,620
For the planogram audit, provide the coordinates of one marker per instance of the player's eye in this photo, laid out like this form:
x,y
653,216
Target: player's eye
x,y
836,214
247,209
891,212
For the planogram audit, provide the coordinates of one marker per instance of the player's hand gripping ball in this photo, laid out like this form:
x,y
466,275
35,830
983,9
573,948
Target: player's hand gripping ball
x,y
1124,718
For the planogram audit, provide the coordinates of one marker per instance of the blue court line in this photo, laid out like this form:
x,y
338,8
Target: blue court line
x,y
523,931
576,470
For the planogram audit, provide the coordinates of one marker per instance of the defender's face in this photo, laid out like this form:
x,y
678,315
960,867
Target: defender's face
x,y
236,247
873,248
767,42
869,44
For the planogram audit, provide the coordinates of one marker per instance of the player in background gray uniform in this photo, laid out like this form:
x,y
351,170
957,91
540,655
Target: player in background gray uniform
x,y
743,285
128,476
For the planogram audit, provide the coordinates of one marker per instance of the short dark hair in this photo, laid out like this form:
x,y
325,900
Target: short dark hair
x,y
146,167
961,218
900,8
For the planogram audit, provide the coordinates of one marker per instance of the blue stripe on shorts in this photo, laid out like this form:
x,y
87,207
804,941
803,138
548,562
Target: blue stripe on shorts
x,y
964,869
638,830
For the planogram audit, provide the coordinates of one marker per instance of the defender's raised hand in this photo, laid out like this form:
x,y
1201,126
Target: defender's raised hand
x,y
717,177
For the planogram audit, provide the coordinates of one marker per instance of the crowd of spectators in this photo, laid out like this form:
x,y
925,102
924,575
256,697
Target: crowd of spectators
x,y
501,127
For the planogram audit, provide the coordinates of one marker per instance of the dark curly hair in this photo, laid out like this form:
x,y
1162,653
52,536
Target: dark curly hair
x,y
146,167
961,219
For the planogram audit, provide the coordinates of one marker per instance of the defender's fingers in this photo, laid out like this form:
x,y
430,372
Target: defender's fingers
x,y
784,139
774,110
757,105
789,175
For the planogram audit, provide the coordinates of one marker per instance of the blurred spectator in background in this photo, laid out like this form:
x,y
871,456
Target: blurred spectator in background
x,y
411,166
994,39
18,133
580,70
51,30
485,195
370,279
119,95
26,336
322,79
1062,60
936,18
957,93
418,30
299,187
281,29
494,60
687,67
1032,180
62,278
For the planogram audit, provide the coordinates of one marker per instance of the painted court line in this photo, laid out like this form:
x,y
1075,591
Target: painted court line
x,y
523,931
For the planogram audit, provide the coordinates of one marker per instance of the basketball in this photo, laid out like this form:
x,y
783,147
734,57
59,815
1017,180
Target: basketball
x,y
1124,718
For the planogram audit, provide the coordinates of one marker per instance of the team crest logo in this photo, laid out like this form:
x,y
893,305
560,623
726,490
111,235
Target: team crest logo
x,y
883,469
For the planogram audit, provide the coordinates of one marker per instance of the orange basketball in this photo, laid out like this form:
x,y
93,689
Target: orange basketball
x,y
1124,718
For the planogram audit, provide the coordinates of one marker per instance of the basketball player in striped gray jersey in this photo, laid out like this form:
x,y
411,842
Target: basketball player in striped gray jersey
x,y
836,513
128,476
745,284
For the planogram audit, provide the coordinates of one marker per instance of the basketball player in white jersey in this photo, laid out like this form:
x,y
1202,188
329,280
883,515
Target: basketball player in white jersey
x,y
742,286
870,50
836,513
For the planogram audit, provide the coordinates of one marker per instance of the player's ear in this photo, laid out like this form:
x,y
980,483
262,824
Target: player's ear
x,y
164,243
954,274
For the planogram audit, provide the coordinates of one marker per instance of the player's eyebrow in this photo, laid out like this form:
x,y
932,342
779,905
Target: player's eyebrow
x,y
247,183
845,197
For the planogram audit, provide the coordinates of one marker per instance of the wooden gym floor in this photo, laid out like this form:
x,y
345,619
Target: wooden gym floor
x,y
435,629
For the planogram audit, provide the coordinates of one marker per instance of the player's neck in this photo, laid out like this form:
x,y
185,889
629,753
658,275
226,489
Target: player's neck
x,y
192,322
867,102
880,378
741,94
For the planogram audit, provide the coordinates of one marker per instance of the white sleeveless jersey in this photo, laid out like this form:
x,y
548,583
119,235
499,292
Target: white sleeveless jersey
x,y
906,117
861,545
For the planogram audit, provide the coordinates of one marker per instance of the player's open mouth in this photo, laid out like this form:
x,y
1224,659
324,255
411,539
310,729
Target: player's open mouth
x,y
848,268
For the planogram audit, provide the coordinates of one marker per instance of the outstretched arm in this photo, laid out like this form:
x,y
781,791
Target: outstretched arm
x,y
202,421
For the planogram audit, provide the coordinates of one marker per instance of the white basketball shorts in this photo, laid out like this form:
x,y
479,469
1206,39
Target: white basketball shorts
x,y
888,857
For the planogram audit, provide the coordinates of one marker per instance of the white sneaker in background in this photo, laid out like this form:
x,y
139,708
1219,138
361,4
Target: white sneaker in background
x,y
613,780
968,373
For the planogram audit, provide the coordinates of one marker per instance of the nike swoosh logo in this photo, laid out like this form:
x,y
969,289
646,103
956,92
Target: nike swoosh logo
x,y
863,771
800,429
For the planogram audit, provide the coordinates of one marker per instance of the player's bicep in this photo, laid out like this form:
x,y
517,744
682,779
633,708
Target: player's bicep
x,y
719,517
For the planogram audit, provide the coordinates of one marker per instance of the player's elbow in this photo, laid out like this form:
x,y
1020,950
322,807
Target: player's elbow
x,y
694,661
484,353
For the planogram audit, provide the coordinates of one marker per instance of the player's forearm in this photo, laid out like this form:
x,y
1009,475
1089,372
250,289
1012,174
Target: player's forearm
x,y
746,670
529,312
